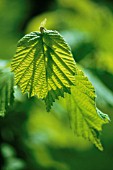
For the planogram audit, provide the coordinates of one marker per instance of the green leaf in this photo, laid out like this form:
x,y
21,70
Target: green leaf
x,y
43,65
103,98
6,90
54,94
86,120
103,115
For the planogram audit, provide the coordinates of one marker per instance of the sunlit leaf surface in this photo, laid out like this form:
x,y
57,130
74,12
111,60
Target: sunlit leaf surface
x,y
43,65
85,119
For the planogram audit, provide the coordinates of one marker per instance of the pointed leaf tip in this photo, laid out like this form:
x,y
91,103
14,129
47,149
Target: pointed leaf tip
x,y
85,119
43,65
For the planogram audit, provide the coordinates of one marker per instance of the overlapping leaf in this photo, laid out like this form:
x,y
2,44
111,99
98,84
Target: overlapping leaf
x,y
85,119
6,90
43,65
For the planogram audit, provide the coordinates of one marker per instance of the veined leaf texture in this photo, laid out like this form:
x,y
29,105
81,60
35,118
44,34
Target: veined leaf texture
x,y
85,119
44,65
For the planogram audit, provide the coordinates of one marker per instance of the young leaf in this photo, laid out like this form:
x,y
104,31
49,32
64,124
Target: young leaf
x,y
6,90
54,94
43,65
85,119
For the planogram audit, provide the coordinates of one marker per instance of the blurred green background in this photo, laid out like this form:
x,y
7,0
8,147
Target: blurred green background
x,y
31,138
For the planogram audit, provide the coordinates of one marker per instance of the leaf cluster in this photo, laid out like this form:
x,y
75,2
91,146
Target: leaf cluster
x,y
44,67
